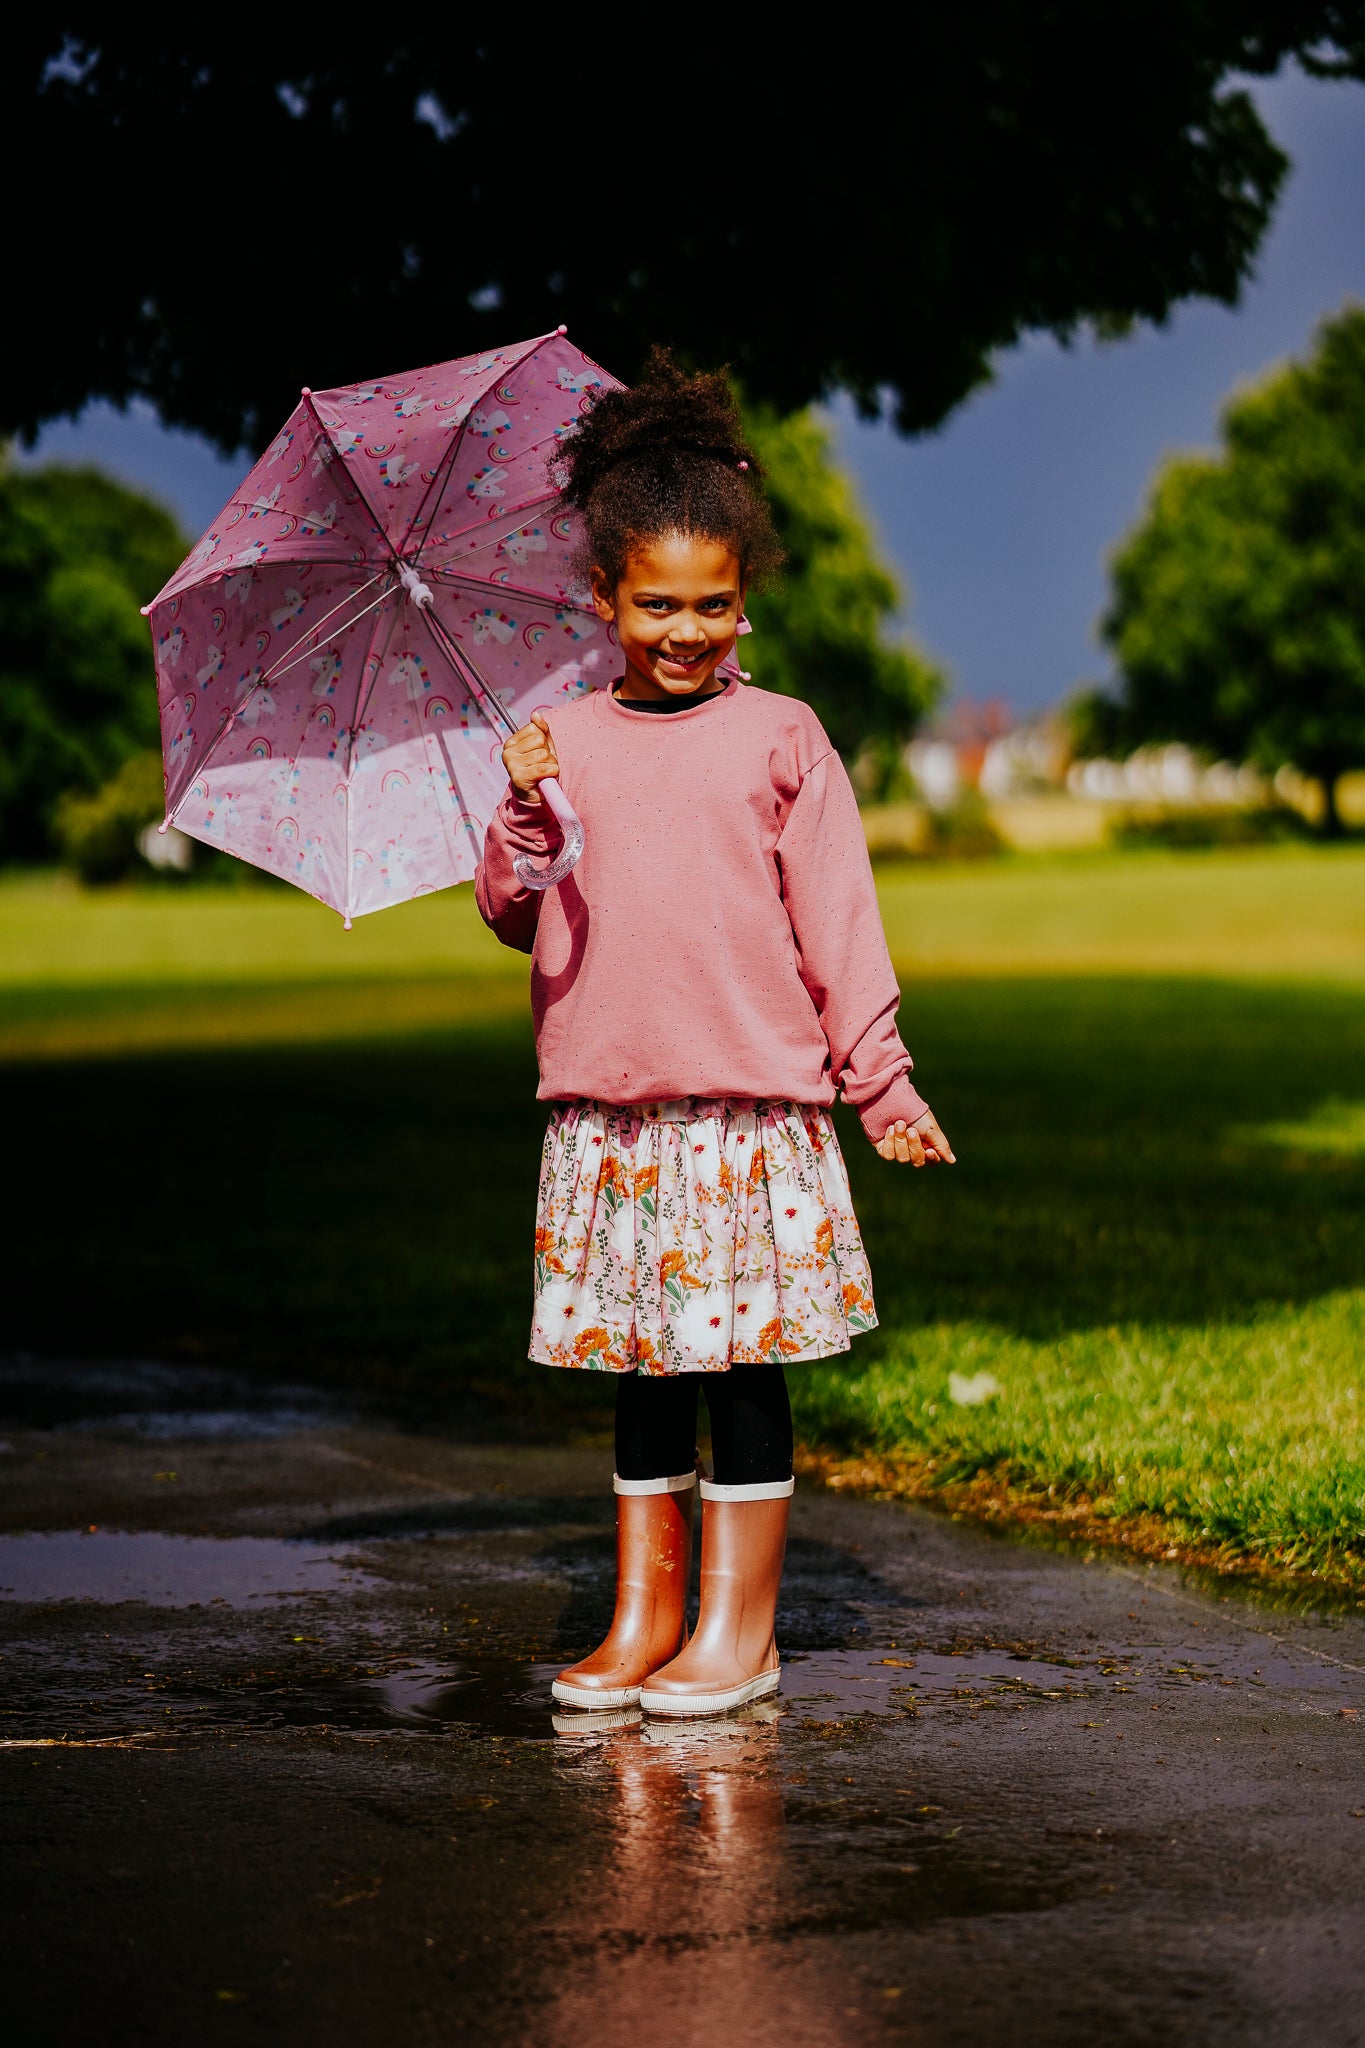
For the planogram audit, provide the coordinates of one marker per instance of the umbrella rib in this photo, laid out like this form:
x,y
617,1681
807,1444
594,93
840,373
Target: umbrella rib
x,y
234,711
362,703
317,625
438,481
489,703
347,471
276,671
482,587
526,505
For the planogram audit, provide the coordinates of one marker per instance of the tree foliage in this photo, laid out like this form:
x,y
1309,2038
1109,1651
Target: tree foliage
x,y
1238,615
822,633
78,554
262,209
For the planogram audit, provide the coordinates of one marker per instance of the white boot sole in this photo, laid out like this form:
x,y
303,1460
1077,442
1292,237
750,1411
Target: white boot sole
x,y
590,1696
678,1706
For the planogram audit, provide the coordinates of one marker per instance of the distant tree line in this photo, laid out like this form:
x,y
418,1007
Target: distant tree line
x,y
1238,613
78,554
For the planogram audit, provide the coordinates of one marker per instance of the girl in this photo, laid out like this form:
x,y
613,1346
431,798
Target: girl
x,y
708,977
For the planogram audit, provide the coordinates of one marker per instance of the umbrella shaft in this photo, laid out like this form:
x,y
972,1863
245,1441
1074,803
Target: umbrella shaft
x,y
464,667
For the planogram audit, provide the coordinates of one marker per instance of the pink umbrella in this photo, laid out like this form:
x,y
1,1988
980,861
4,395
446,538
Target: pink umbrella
x,y
387,597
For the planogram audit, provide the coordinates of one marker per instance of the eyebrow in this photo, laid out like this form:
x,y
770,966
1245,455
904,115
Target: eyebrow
x,y
651,596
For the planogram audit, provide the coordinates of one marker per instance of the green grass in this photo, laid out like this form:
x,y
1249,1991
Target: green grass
x,y
242,1135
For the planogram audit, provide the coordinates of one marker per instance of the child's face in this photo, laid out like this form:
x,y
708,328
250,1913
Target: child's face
x,y
676,612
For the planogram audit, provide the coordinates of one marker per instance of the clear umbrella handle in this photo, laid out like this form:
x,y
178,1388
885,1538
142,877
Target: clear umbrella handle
x,y
567,857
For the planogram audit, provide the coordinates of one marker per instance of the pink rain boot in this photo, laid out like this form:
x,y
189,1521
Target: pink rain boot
x,y
653,1559
732,1658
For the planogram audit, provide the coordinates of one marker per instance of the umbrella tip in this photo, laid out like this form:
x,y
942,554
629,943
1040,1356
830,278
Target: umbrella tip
x,y
345,924
561,330
305,391
145,610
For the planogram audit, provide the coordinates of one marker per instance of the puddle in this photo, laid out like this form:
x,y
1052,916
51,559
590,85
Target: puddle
x,y
203,1425
160,1402
857,1682
160,1570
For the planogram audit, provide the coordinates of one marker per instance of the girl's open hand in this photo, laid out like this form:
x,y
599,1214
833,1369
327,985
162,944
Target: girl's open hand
x,y
529,756
921,1143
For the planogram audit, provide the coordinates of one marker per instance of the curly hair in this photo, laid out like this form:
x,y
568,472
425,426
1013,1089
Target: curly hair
x,y
666,456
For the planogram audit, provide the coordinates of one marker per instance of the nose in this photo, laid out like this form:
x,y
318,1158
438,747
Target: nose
x,y
688,631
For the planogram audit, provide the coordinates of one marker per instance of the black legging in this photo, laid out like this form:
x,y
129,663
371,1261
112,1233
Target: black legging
x,y
751,1424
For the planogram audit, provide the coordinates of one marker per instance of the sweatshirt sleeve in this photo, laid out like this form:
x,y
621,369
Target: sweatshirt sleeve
x,y
830,899
506,905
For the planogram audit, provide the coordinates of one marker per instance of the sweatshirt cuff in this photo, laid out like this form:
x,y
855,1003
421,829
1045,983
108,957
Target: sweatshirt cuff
x,y
526,825
899,1102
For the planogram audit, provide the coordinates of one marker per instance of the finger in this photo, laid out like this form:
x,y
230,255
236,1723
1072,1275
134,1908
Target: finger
x,y
539,718
934,1135
931,1131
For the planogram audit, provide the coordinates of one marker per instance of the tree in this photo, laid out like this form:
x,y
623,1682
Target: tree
x,y
883,212
1238,615
78,555
820,635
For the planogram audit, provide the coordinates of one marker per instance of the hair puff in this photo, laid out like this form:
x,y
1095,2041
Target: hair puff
x,y
669,455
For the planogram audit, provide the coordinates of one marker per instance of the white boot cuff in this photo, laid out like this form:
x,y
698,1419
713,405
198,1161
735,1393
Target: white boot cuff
x,y
679,1484
772,1489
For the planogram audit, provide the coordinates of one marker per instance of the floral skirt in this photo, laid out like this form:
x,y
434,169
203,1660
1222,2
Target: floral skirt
x,y
693,1235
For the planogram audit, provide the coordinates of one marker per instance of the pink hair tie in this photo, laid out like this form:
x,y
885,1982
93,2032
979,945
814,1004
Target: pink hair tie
x,y
744,465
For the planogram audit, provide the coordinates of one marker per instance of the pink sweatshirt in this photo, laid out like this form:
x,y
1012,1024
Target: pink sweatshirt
x,y
720,935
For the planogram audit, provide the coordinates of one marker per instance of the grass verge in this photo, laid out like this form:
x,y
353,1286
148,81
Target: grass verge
x,y
1134,1312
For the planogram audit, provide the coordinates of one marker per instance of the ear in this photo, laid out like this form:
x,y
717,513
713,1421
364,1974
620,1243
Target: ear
x,y
603,596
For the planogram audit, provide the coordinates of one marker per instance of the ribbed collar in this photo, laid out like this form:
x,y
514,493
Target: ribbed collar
x,y
614,704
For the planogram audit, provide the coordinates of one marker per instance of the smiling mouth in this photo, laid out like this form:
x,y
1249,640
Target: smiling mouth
x,y
686,662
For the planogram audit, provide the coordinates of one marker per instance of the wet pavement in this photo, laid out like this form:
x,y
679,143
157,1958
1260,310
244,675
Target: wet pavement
x,y
278,1763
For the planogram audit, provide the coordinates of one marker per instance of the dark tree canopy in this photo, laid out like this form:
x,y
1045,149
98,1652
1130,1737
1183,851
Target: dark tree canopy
x,y
210,216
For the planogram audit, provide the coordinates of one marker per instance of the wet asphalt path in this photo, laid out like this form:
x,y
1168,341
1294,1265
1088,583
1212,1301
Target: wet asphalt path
x,y
277,1765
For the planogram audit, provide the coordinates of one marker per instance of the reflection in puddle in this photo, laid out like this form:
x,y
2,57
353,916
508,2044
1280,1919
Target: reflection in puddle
x,y
690,1910
161,1570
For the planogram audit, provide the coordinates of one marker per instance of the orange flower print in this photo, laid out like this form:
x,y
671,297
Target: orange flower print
x,y
643,1208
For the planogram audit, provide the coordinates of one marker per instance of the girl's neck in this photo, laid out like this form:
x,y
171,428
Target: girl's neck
x,y
640,689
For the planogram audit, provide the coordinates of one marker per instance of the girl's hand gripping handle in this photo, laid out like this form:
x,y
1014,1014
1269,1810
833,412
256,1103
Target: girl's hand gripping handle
x,y
567,857
532,763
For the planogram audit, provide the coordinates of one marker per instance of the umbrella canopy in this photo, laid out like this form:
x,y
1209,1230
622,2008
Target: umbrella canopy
x,y
387,595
